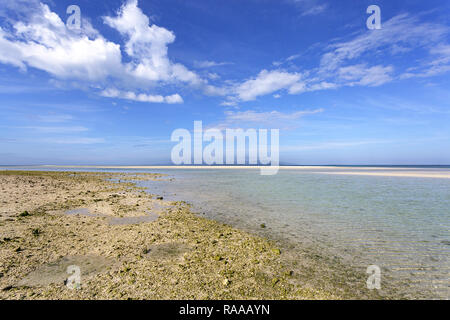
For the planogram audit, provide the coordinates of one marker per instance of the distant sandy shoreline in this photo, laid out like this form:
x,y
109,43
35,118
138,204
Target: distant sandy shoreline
x,y
406,174
418,172
228,167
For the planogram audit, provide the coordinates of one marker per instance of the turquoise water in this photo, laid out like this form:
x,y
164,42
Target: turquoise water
x,y
401,224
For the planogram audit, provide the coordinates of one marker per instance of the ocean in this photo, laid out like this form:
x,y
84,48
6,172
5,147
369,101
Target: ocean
x,y
401,224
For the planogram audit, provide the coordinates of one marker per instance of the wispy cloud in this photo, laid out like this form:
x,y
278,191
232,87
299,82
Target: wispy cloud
x,y
209,64
68,129
315,10
54,118
349,63
438,63
74,140
402,31
334,145
268,119
363,75
310,7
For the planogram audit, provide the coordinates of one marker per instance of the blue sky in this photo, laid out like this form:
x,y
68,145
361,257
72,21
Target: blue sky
x,y
114,91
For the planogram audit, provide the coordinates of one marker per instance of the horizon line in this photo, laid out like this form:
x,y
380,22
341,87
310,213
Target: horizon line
x,y
225,166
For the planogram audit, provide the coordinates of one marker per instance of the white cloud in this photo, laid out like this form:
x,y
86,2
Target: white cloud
x,y
68,129
215,91
209,64
315,10
175,98
213,76
273,119
45,43
41,40
439,63
366,76
288,59
376,76
54,118
266,82
346,63
229,103
148,46
254,116
324,85
402,31
74,140
443,54
334,145
297,87
310,7
141,97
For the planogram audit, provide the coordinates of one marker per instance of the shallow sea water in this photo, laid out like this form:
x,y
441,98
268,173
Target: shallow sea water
x,y
401,224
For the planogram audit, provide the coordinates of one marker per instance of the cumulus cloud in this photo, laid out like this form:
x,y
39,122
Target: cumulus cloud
x,y
45,43
266,82
148,46
41,40
140,69
141,97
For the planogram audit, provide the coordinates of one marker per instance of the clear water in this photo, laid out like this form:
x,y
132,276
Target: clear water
x,y
401,224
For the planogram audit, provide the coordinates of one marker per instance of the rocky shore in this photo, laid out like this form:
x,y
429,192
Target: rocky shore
x,y
127,244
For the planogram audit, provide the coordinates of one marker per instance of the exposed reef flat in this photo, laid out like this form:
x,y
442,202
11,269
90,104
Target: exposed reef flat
x,y
51,220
